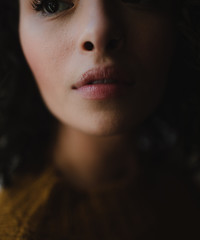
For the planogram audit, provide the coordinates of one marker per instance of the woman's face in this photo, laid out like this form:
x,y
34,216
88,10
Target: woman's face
x,y
129,43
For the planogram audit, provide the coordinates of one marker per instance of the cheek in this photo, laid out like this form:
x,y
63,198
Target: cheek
x,y
151,45
152,41
47,54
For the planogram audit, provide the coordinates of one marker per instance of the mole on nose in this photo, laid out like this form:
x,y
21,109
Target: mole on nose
x,y
88,46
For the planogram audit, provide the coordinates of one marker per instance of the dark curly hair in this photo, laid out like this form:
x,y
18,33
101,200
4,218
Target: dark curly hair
x,y
171,135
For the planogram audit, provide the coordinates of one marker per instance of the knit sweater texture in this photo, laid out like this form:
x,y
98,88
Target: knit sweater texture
x,y
44,207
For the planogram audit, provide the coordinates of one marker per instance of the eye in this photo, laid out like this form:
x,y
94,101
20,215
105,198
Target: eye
x,y
50,7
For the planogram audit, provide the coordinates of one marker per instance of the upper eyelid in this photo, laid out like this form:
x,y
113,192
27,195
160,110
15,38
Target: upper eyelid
x,y
37,5
40,3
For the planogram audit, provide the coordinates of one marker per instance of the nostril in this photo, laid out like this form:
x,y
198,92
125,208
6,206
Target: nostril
x,y
114,43
88,46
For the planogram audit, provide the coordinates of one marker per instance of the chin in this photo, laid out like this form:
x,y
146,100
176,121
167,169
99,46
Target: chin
x,y
102,131
103,127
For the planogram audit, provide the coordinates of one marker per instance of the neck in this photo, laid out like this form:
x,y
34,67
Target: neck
x,y
90,161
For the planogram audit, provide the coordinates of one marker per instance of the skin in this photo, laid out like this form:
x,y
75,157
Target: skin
x,y
104,130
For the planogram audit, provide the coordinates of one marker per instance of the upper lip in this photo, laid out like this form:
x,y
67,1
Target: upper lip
x,y
101,73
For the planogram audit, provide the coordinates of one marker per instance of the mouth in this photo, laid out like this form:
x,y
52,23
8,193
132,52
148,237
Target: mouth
x,y
108,75
103,83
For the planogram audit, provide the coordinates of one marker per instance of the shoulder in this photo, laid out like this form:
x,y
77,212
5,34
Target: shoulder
x,y
20,202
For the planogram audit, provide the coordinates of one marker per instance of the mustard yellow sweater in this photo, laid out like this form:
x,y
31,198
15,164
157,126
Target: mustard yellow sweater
x,y
44,207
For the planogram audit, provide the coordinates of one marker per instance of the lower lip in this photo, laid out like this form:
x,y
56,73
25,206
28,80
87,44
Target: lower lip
x,y
102,91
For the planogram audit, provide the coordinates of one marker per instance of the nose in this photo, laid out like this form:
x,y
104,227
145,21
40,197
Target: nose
x,y
102,31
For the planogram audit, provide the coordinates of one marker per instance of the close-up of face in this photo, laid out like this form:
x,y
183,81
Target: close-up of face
x,y
101,65
99,119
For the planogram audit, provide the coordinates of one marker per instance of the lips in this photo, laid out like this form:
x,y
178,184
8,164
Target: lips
x,y
108,75
103,83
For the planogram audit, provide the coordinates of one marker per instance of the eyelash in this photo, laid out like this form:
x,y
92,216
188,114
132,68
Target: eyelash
x,y
39,6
